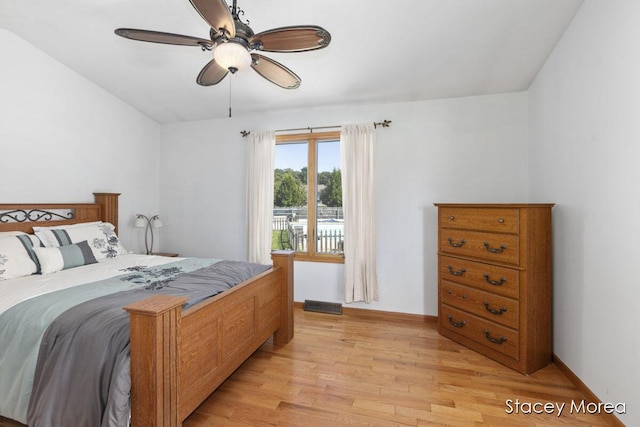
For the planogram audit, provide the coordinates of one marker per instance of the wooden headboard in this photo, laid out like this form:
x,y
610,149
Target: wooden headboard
x,y
24,216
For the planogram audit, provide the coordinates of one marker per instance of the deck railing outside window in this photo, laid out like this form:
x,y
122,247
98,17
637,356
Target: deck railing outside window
x,y
290,229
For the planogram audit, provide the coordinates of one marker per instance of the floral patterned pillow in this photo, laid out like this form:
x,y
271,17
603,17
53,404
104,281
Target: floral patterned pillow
x,y
17,258
101,237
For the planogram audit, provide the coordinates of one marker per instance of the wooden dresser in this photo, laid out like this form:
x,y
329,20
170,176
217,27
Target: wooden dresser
x,y
494,281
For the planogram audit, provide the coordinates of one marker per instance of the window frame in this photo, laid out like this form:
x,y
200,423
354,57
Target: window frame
x,y
312,139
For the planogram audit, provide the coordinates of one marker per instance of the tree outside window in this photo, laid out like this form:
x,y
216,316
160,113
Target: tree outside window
x,y
308,216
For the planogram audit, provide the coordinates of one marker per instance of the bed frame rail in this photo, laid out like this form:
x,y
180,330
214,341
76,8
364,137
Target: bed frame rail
x,y
178,358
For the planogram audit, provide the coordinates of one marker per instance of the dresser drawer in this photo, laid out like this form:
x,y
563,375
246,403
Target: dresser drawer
x,y
493,247
501,220
484,332
491,278
484,304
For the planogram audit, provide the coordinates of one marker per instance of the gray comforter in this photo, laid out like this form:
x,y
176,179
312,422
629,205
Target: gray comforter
x,y
82,374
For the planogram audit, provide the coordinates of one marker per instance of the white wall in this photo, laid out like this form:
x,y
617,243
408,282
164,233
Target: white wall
x,y
63,138
584,152
452,150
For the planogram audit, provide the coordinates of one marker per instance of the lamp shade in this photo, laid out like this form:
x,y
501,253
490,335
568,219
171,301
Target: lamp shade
x,y
140,221
156,222
232,55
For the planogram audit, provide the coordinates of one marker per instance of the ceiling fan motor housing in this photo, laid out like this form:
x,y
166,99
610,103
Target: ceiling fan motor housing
x,y
243,35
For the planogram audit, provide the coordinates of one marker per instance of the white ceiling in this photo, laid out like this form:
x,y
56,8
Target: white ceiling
x,y
381,51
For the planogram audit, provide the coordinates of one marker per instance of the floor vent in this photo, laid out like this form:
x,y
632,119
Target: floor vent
x,y
323,307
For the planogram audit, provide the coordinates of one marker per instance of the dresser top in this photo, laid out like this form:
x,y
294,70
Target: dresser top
x,y
496,205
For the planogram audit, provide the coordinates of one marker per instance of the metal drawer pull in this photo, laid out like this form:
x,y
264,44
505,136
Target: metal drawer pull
x,y
456,324
451,218
493,310
494,250
456,245
501,220
450,292
494,282
457,273
492,339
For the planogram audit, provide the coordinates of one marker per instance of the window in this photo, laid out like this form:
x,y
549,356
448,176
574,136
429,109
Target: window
x,y
307,213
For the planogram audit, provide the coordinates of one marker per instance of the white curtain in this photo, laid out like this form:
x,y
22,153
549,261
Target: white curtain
x,y
262,148
356,146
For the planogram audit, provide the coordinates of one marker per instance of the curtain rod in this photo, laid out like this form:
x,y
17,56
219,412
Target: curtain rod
x,y
385,124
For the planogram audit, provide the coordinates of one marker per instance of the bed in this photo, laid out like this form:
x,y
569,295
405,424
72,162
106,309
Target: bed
x,y
179,353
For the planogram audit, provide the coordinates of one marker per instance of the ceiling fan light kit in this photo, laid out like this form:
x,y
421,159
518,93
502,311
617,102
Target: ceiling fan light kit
x,y
232,56
234,44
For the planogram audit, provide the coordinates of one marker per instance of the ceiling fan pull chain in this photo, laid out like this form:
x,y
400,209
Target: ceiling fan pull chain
x,y
231,78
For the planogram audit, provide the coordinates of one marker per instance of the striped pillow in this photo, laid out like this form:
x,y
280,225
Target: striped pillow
x,y
101,237
64,257
17,257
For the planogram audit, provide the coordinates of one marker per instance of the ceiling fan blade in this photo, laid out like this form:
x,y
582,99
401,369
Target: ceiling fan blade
x,y
275,72
217,15
298,38
211,74
165,38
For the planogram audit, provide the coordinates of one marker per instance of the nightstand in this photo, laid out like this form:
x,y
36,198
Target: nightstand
x,y
169,254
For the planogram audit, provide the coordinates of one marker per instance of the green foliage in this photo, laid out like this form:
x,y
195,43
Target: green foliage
x,y
331,195
279,173
290,187
302,175
288,190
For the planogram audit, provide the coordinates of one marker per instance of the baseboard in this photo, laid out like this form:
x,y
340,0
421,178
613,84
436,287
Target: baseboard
x,y
590,396
391,316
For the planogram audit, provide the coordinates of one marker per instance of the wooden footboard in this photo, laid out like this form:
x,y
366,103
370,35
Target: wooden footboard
x,y
178,358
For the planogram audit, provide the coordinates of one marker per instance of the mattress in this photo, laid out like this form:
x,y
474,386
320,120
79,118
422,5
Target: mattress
x,y
54,364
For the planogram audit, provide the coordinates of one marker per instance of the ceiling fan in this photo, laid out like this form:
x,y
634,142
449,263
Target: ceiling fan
x,y
233,43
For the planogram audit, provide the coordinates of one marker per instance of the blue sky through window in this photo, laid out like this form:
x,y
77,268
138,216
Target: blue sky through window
x,y
294,156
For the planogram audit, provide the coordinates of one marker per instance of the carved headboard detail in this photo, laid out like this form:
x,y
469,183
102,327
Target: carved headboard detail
x,y
24,216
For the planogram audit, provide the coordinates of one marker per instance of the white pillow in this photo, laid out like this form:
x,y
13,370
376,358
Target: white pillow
x,y
100,236
17,257
63,257
49,239
11,233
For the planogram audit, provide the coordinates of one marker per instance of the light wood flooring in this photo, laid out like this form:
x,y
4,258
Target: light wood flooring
x,y
367,370
361,370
